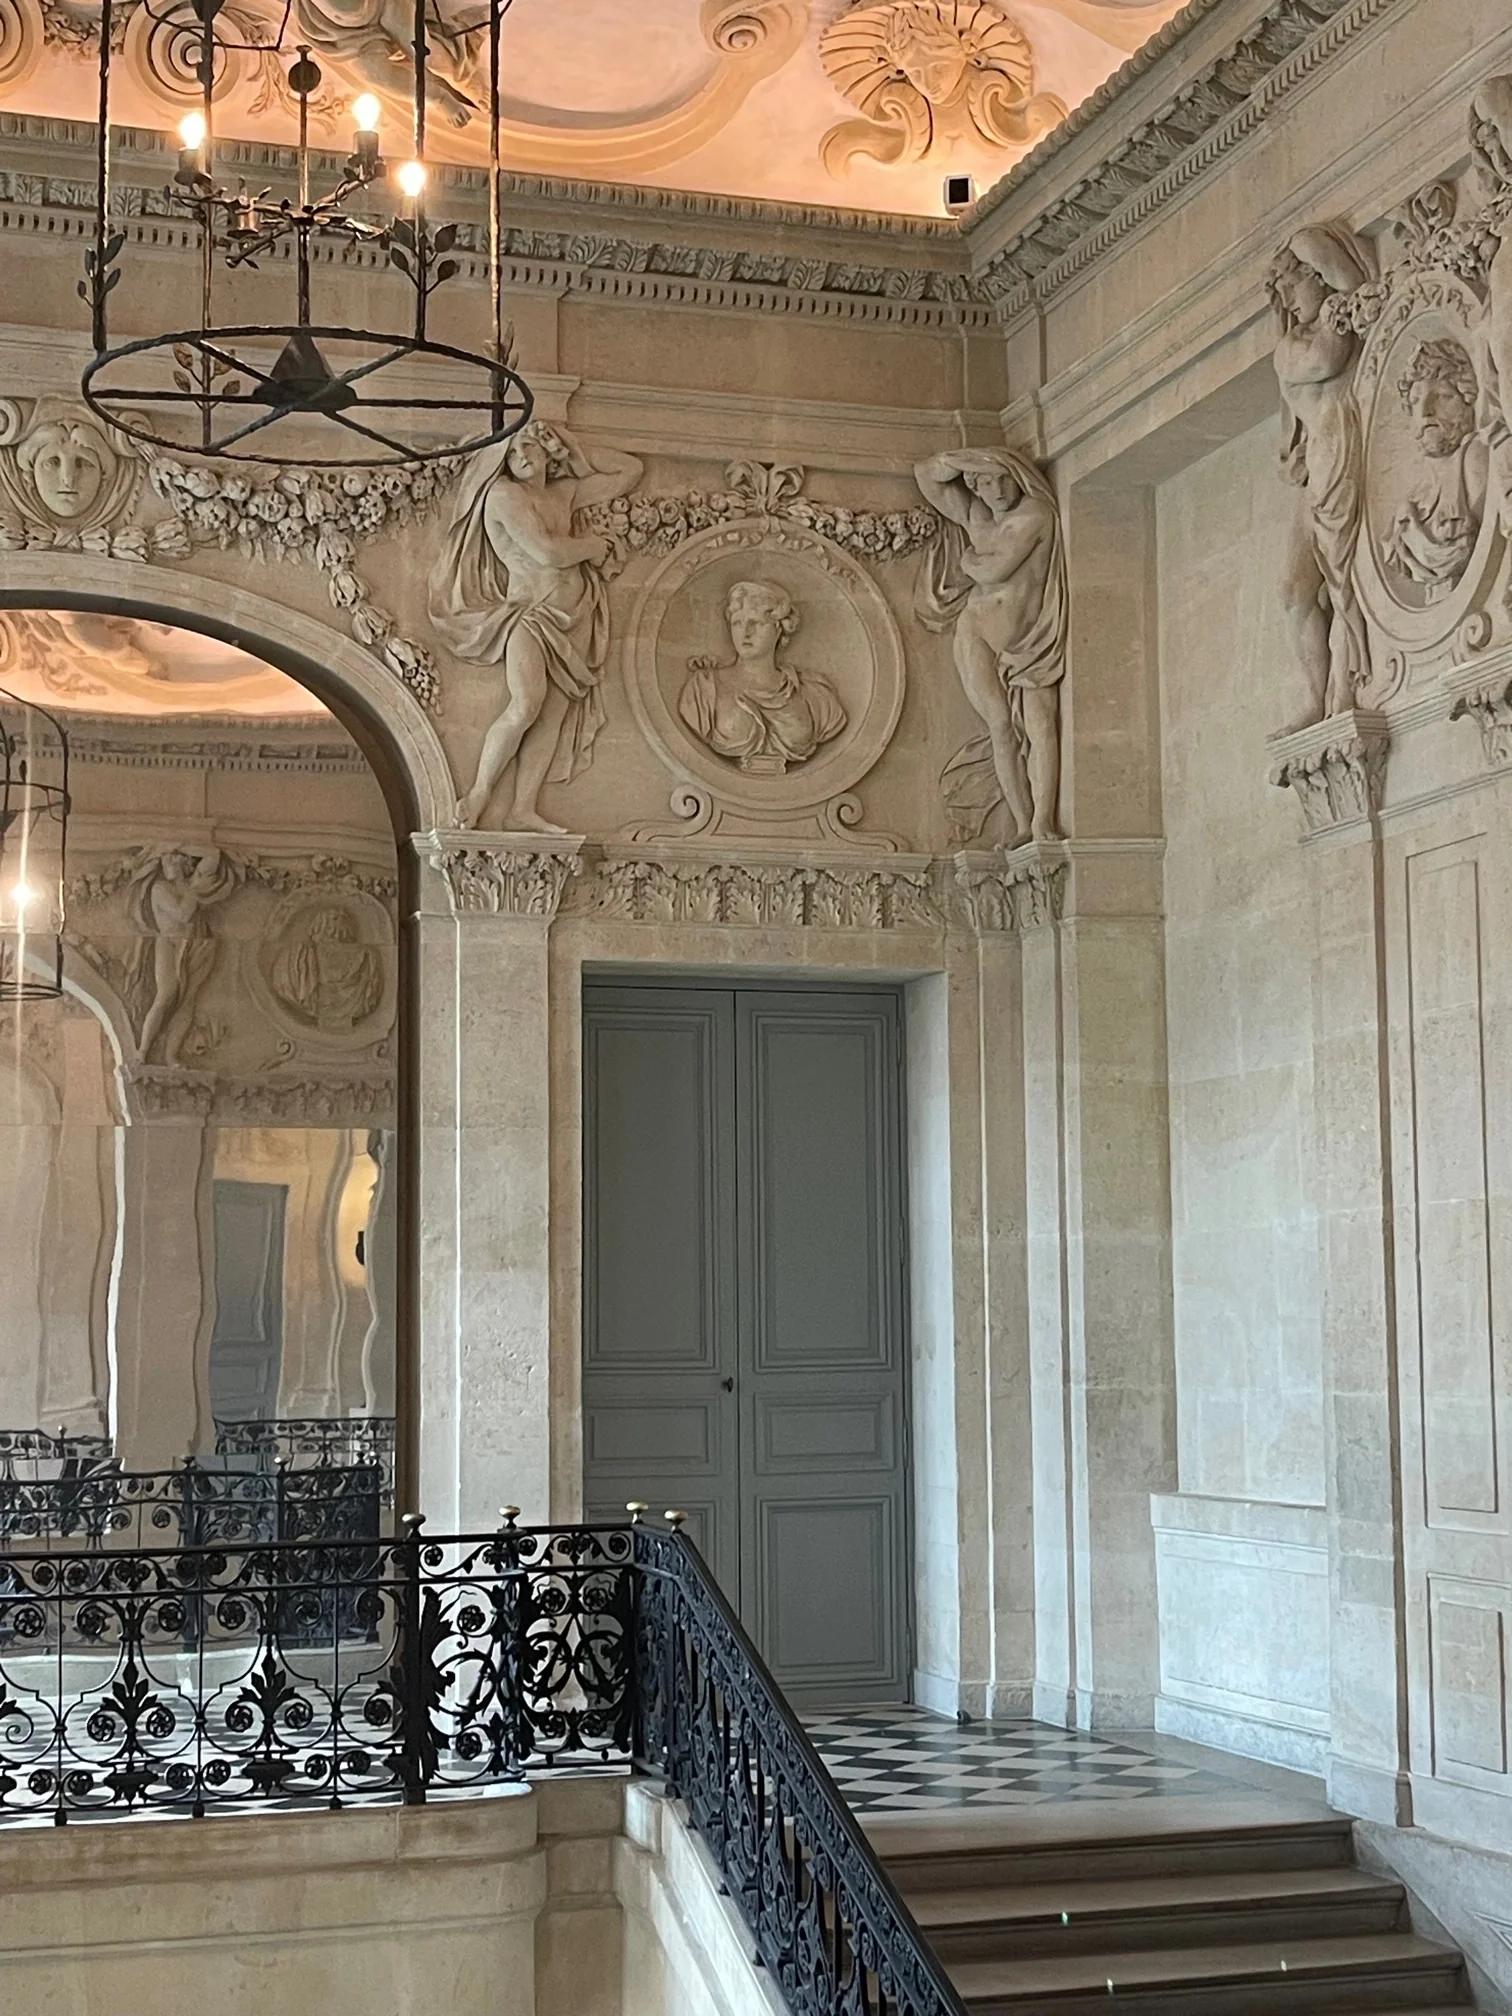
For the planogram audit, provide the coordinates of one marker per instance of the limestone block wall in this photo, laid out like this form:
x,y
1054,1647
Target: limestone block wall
x,y
579,1897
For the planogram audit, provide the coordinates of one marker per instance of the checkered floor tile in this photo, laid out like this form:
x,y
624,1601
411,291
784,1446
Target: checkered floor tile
x,y
903,1760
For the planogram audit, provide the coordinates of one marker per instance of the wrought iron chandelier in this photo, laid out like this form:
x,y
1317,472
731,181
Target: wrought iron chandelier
x,y
305,392
33,849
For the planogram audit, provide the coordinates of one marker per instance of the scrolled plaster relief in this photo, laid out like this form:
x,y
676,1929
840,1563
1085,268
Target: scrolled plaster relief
x,y
515,586
996,580
22,34
367,47
926,73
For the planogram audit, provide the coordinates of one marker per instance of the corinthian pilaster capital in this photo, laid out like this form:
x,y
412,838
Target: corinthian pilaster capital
x,y
1013,892
502,874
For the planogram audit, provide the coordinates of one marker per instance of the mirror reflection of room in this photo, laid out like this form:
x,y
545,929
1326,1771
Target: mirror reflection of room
x,y
196,1134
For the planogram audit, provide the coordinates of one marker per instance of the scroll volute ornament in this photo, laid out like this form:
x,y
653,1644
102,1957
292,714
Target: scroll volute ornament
x,y
928,73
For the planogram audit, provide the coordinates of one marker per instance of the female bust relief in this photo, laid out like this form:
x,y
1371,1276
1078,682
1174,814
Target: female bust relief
x,y
756,711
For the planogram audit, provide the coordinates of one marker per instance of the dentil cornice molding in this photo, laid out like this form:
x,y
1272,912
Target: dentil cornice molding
x,y
601,240
1164,121
1070,201
1336,768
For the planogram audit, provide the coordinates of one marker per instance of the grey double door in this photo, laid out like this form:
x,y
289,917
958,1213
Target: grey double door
x,y
743,1336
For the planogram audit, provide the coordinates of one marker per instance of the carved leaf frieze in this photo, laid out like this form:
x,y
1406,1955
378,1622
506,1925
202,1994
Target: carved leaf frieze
x,y
647,891
502,881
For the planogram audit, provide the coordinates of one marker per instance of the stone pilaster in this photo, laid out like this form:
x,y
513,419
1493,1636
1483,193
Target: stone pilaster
x,y
1337,770
487,906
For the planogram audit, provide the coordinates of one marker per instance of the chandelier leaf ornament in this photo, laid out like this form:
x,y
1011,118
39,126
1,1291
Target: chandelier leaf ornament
x,y
311,393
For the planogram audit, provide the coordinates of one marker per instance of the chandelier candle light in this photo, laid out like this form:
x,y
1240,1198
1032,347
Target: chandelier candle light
x,y
33,850
306,393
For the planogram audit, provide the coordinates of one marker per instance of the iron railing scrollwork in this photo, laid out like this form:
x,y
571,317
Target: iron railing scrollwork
x,y
826,1920
334,1668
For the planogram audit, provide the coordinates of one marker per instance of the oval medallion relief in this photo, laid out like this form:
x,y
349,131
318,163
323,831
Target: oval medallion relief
x,y
765,670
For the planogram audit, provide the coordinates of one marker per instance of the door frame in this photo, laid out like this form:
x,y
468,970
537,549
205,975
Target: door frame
x,y
664,979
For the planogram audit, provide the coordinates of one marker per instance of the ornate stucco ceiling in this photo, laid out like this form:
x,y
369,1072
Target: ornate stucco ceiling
x,y
862,103
74,662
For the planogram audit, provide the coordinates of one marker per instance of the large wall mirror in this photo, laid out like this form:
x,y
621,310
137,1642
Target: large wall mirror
x,y
197,1185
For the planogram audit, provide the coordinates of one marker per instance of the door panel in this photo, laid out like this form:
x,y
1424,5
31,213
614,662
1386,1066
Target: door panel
x,y
813,1101
826,1584
823,1509
659,1409
743,1350
246,1346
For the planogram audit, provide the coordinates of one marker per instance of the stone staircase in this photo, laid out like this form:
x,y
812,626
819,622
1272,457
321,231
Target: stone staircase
x,y
1271,1919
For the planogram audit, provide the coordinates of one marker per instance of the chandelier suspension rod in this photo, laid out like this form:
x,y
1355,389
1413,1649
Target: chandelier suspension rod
x,y
98,315
495,200
422,254
206,10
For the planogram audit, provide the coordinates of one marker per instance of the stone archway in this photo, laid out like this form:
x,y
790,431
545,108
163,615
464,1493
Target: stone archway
x,y
405,754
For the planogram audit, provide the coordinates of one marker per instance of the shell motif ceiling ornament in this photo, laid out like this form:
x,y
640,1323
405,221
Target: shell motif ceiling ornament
x,y
928,74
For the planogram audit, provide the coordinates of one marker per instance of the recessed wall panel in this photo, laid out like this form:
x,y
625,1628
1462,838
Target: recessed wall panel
x,y
1457,1373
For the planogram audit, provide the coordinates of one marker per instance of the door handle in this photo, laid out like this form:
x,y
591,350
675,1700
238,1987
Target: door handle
x,y
727,1385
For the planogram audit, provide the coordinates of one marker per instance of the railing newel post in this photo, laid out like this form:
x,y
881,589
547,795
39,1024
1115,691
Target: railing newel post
x,y
412,1704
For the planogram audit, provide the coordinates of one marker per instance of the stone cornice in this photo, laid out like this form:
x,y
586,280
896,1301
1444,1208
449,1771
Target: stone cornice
x,y
606,240
1163,122
317,745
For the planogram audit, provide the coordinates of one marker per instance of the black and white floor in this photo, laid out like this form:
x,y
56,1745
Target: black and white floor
x,y
905,1760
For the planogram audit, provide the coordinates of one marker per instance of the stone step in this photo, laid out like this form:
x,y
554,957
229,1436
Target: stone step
x,y
1386,1971
973,1860
1132,1913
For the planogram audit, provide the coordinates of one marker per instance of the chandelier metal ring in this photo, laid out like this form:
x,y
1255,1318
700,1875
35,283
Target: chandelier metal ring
x,y
257,398
319,402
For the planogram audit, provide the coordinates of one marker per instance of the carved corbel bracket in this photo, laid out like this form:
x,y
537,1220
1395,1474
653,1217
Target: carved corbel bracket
x,y
1012,892
518,875
1336,767
1483,694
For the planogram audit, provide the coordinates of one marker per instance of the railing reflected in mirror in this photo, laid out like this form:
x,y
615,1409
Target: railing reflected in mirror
x,y
198,1248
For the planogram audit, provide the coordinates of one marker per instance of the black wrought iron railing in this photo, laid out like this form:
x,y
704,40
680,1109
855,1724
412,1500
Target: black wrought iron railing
x,y
314,1442
96,1503
208,1678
